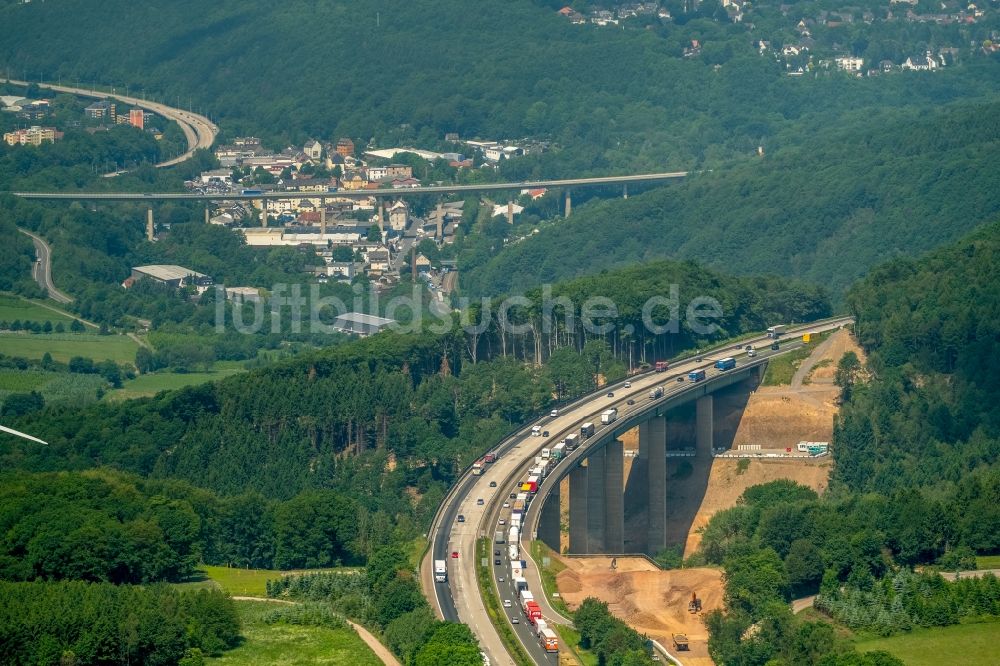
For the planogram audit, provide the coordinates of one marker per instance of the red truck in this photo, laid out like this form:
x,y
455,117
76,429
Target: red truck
x,y
661,366
533,611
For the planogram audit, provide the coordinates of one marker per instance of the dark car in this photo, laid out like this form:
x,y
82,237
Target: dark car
x,y
611,394
513,495
630,402
545,433
461,518
497,561
496,553
680,378
493,484
774,346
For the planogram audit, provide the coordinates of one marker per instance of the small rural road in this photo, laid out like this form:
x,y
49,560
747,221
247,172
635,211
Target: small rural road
x,y
199,131
381,651
976,573
803,603
41,271
798,379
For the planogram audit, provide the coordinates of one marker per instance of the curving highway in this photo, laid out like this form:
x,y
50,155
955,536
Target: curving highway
x,y
459,598
41,271
199,131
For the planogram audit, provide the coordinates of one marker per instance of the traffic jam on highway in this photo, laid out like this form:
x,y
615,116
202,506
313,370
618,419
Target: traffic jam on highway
x,y
509,561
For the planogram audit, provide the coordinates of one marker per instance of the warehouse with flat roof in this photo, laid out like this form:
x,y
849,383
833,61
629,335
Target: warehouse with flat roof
x,y
175,276
359,323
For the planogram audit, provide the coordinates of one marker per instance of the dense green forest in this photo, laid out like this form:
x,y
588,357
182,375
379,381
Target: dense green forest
x,y
612,99
915,482
99,623
836,200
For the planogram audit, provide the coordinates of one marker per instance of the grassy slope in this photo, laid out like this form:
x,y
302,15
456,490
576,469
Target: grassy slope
x,y
64,346
967,644
266,644
151,384
242,582
15,307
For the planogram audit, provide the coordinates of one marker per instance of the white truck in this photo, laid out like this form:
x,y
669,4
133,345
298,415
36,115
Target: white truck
x,y
513,552
513,535
546,453
656,393
440,571
609,416
573,441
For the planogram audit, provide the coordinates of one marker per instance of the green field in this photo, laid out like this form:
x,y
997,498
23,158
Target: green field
x,y
22,381
966,644
244,582
64,346
988,562
153,383
15,307
266,644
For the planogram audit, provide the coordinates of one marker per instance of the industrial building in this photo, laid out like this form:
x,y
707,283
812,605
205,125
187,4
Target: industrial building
x,y
175,276
359,323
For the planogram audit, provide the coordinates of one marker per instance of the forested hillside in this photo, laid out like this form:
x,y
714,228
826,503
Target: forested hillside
x,y
835,200
915,479
623,100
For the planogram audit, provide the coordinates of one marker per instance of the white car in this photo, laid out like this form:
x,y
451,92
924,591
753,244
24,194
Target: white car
x,y
503,522
506,505
628,384
554,413
506,603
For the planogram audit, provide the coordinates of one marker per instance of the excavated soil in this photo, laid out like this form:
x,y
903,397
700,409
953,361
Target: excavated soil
x,y
654,602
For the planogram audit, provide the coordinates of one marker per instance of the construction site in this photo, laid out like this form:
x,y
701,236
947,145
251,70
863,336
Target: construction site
x,y
764,418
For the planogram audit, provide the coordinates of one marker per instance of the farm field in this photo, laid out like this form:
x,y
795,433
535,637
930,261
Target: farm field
x,y
243,582
967,644
289,644
64,346
15,307
153,383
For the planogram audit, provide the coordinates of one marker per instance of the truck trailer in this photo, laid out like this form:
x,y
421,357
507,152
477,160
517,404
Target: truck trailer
x,y
548,640
609,416
586,431
440,571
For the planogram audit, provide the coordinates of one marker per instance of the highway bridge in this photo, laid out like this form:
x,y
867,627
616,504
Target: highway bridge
x,y
199,131
402,192
596,483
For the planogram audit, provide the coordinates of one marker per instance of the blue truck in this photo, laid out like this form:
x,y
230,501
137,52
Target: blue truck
x,y
696,375
726,363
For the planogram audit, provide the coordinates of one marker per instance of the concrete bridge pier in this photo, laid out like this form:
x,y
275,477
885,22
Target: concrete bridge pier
x,y
208,216
625,191
578,511
595,501
548,521
614,497
150,230
510,212
263,212
381,217
439,234
656,442
569,203
322,218
704,426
